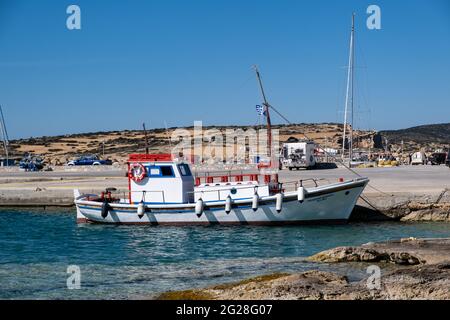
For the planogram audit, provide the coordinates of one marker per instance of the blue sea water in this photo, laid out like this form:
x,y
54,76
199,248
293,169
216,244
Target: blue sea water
x,y
119,262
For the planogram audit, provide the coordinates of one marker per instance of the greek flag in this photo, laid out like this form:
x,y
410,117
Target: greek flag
x,y
259,110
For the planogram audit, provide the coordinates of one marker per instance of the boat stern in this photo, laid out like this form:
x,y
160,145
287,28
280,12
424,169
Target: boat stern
x,y
80,217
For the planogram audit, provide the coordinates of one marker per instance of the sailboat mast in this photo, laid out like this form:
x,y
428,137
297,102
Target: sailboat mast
x,y
349,95
266,110
352,68
4,134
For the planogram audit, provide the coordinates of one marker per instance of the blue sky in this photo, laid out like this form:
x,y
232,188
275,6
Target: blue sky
x,y
180,61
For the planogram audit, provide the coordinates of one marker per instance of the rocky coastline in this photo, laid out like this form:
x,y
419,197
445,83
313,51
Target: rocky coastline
x,y
409,269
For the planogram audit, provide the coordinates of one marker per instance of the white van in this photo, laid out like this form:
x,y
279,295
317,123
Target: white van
x,y
298,155
418,158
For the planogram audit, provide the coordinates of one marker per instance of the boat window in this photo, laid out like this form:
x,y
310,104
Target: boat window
x,y
155,171
160,171
184,169
166,171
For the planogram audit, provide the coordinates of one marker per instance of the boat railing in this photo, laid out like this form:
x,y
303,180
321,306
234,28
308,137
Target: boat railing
x,y
281,186
219,191
273,186
310,182
229,176
144,194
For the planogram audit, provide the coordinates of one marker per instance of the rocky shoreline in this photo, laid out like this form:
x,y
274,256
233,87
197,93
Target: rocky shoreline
x,y
409,269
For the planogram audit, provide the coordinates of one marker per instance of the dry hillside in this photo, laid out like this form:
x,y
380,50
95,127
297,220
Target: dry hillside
x,y
116,145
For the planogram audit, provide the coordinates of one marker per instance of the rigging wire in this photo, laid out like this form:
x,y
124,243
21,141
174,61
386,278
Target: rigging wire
x,y
328,154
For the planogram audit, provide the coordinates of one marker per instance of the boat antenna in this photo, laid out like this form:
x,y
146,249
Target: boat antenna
x,y
266,111
349,93
146,138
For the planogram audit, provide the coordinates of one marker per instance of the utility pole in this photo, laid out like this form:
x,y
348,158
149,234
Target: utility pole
x,y
402,153
168,136
146,138
385,145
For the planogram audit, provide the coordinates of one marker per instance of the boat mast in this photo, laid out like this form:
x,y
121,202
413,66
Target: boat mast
x,y
266,110
349,94
352,86
4,134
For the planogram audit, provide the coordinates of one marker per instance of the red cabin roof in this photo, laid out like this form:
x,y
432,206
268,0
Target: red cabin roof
x,y
150,157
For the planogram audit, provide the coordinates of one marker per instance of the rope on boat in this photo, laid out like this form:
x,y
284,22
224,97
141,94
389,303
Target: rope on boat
x,y
370,204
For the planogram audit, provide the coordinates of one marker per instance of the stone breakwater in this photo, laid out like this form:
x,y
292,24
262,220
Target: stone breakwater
x,y
401,206
411,269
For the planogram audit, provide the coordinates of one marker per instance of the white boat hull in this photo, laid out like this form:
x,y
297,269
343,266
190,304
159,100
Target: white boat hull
x,y
329,204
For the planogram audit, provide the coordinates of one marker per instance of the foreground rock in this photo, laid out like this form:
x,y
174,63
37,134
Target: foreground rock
x,y
417,269
409,251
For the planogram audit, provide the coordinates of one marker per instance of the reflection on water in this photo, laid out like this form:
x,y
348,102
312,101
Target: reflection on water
x,y
132,262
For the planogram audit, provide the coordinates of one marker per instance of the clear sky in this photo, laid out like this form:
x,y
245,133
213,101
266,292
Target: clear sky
x,y
186,60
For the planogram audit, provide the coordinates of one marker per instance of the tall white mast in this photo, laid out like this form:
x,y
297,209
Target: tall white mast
x,y
4,134
349,93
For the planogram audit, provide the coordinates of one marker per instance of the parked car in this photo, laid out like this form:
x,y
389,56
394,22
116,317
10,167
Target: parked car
x,y
31,163
89,161
447,161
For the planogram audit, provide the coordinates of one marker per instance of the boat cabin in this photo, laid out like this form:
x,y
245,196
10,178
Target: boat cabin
x,y
157,179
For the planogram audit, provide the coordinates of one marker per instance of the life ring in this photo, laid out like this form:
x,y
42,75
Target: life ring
x,y
137,172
